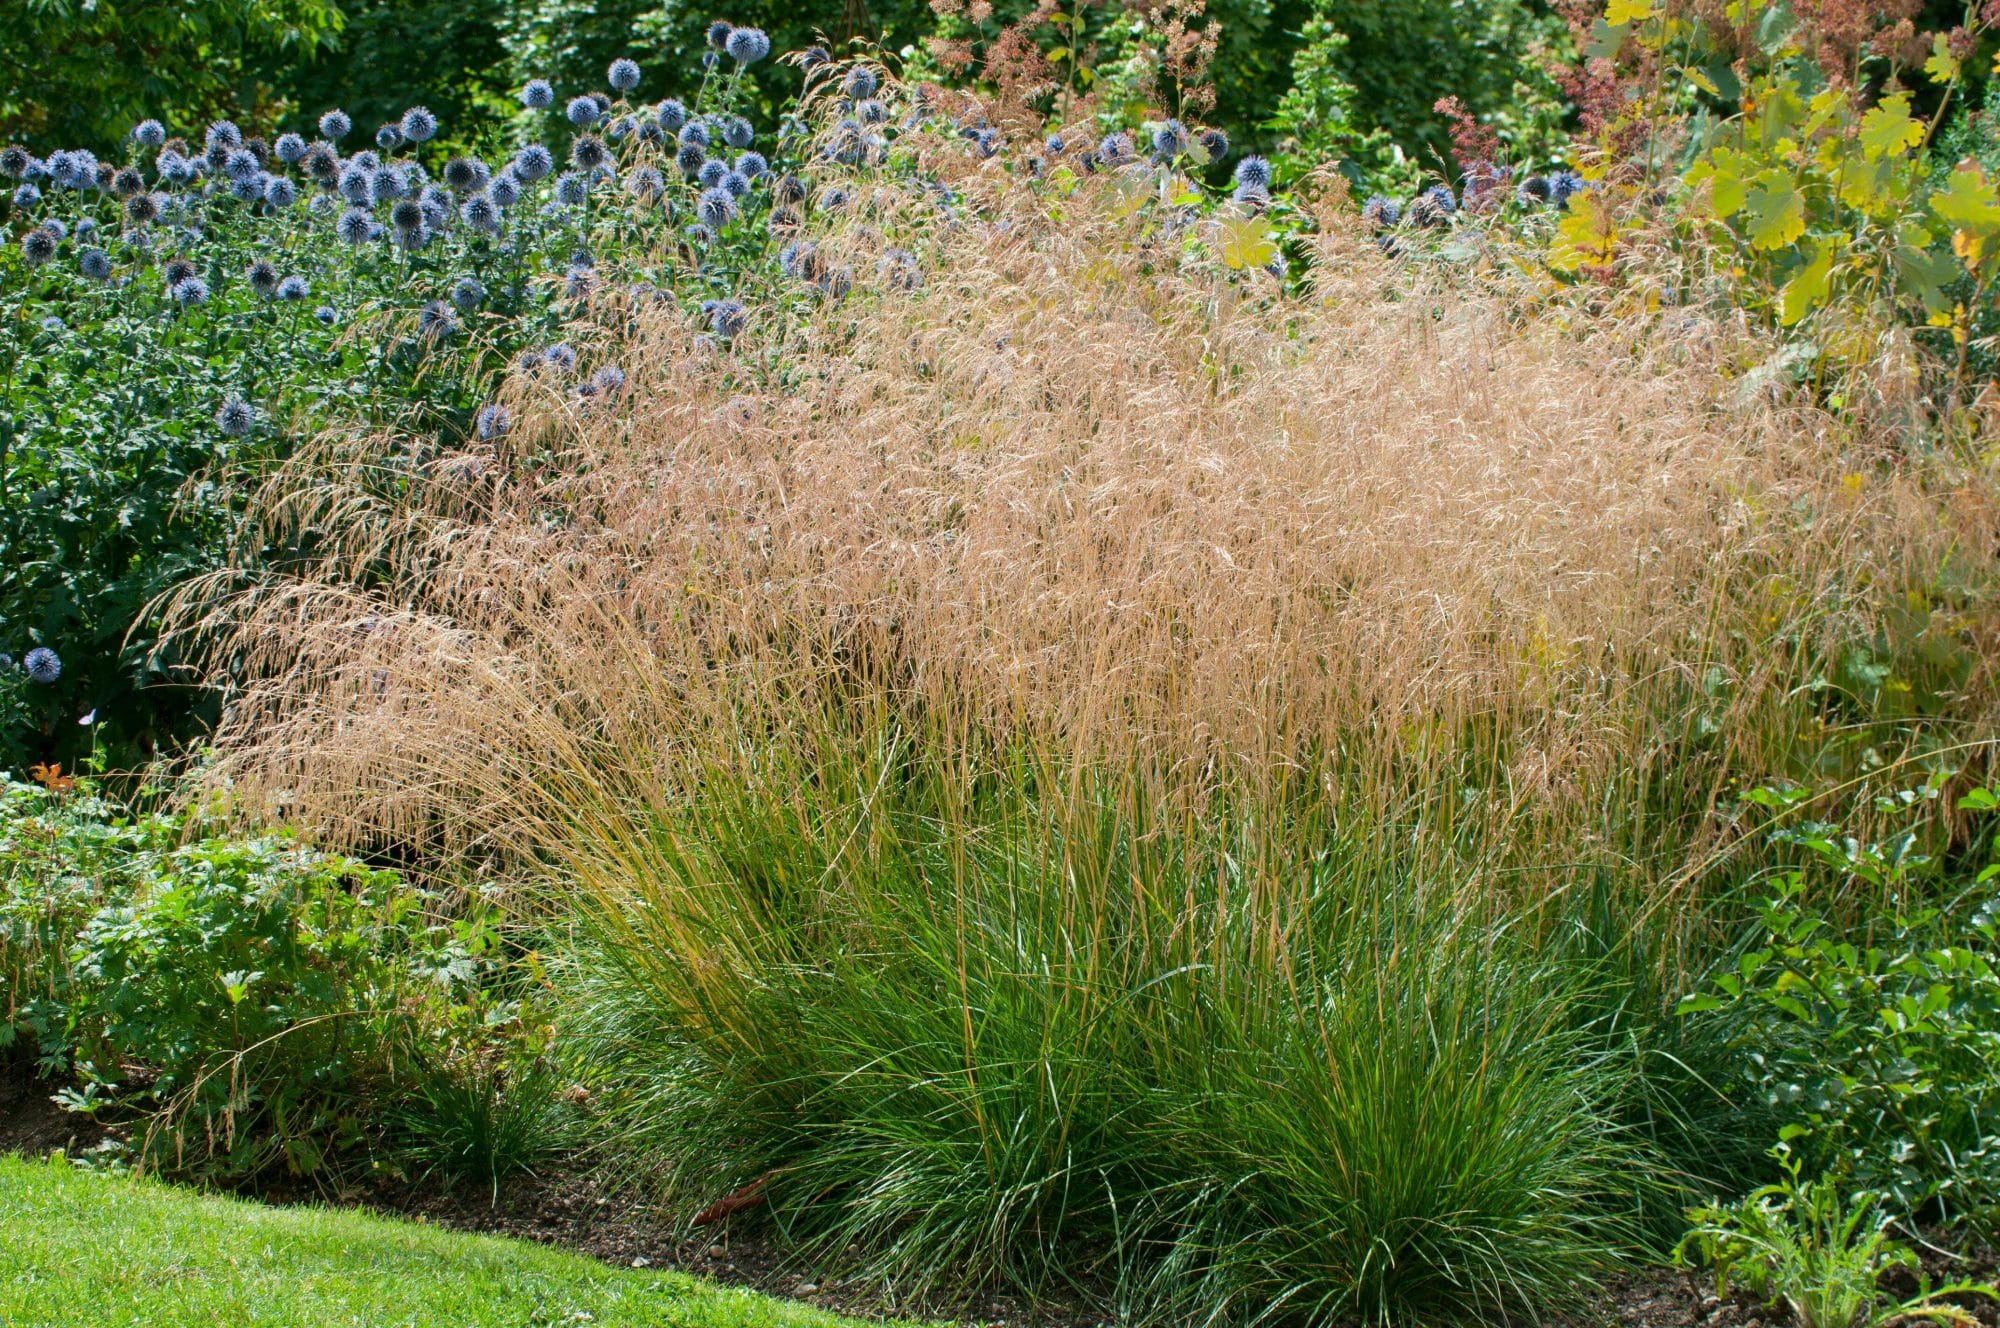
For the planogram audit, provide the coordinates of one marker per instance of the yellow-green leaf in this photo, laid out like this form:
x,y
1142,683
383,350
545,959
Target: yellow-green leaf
x,y
1943,66
1247,243
1775,213
1621,12
1807,289
1969,202
1887,130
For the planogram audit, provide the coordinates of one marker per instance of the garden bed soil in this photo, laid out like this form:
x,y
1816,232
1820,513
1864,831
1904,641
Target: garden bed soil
x,y
573,1209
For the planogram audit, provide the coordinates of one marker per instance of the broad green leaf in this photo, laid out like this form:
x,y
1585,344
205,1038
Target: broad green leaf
x,y
1887,130
1247,243
1622,12
1925,275
1969,201
1807,289
1943,66
1776,214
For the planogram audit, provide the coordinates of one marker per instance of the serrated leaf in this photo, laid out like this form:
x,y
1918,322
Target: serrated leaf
x,y
1620,13
1887,129
1969,202
1808,288
1774,211
1247,243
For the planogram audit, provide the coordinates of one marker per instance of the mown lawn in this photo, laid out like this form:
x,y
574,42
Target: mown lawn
x,y
77,1248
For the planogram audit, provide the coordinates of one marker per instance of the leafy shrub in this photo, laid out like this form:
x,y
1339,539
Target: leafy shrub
x,y
1879,1051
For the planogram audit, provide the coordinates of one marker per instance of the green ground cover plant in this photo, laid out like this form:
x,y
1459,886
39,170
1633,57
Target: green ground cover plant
x,y
138,1253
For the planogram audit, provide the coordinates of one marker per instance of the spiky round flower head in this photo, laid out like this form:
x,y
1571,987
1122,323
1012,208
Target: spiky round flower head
x,y
26,196
650,132
1252,196
537,95
699,235
54,326
581,111
386,184
716,208
293,290
899,270
1380,212
986,143
223,134
326,314
1114,149
481,213
334,126
366,160
355,226
869,111
571,189
1215,143
263,277
418,125
388,137
191,291
718,34
623,75
55,227
588,152
505,189
1433,207
355,184
248,191
812,57
737,131
1565,185
690,159
86,228
800,260
560,358
435,322
461,176
693,134
235,418
14,161
736,183
467,294
1053,145
620,128
289,149
533,162
789,189
38,246
671,115
493,420
149,133
280,192
1170,139
725,317
711,173
95,264
1533,191
437,206
751,165
609,380
42,665
832,199
646,184
860,82
1254,170
407,215
128,182
322,163
746,46
144,209
175,271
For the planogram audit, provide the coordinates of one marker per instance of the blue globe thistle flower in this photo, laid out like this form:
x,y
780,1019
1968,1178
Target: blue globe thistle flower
x,y
725,317
26,196
1433,207
1251,195
690,159
481,213
418,125
789,189
1215,143
812,57
1533,191
1254,170
174,168
505,189
388,137
53,324
588,152
263,277
671,115
355,226
718,34
386,184
55,227
751,165
280,192
334,126
366,160
560,357
650,131
235,418
623,75
581,111
716,208
860,82
247,191
467,294
15,161
42,665
355,184
608,380
289,149
869,111
533,162
95,264
737,132
899,270
799,260
711,173
746,46
646,184
1053,145
75,169
693,134
461,176
1170,139
1565,185
437,206
1380,212
38,246
493,421
620,128
435,322
325,314
832,198
736,183
571,189
1114,149
175,271
538,95
223,134
293,290
986,143
530,360
86,227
